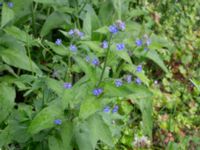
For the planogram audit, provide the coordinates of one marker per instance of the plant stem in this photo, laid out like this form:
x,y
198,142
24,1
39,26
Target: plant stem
x,y
105,63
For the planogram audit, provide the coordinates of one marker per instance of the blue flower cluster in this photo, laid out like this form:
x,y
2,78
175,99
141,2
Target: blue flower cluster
x,y
118,82
118,26
146,41
139,68
107,109
58,42
138,80
120,46
95,61
104,44
97,91
10,4
76,33
58,122
73,48
67,85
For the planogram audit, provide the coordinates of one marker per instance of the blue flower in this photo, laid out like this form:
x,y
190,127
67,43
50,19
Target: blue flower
x,y
71,32
138,81
106,109
58,122
138,42
104,44
67,85
58,42
120,25
87,58
115,109
76,33
118,83
139,68
120,46
73,48
10,4
97,91
129,78
148,42
95,61
113,29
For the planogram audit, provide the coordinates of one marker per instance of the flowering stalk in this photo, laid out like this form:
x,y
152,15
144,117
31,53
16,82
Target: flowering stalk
x,y
105,63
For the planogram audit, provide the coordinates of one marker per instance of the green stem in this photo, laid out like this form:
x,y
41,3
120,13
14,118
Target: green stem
x,y
33,18
105,63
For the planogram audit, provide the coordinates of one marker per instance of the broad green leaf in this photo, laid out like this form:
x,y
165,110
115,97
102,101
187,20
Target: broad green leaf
x,y
14,58
59,49
55,143
123,55
87,68
59,2
153,55
127,90
196,83
88,107
7,100
7,15
55,85
83,137
53,21
21,36
102,30
87,25
146,108
45,119
99,130
67,135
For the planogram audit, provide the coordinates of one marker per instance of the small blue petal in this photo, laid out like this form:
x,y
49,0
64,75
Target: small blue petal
x,y
115,109
104,44
67,85
106,109
95,61
113,29
139,68
97,91
129,78
58,42
71,32
138,42
148,42
87,58
73,48
58,122
120,25
10,4
118,83
120,46
138,81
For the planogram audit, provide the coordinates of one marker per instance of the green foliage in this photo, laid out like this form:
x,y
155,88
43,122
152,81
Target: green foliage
x,y
66,84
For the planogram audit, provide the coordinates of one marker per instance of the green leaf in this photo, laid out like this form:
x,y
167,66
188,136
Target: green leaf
x,y
99,130
83,137
55,143
61,49
124,55
67,135
14,58
7,100
153,55
45,119
87,25
196,83
89,71
88,107
21,36
146,108
53,21
59,2
55,85
7,15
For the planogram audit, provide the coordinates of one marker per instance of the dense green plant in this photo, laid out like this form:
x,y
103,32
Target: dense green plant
x,y
91,75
